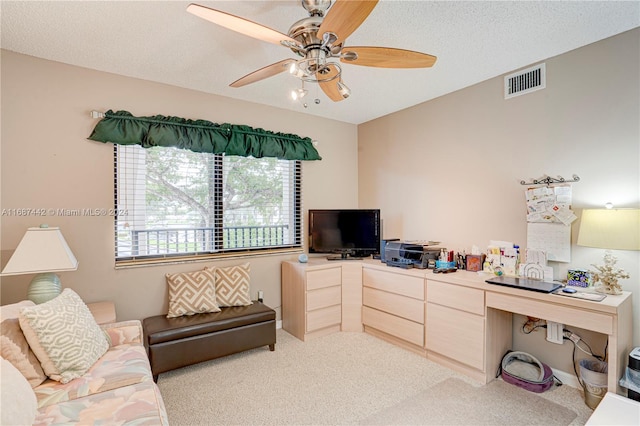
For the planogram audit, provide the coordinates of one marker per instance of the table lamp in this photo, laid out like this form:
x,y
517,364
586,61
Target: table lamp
x,y
610,229
42,251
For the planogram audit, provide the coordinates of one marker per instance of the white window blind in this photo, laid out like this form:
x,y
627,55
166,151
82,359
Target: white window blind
x,y
176,203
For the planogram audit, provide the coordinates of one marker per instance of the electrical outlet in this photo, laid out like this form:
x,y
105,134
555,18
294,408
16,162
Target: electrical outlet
x,y
555,332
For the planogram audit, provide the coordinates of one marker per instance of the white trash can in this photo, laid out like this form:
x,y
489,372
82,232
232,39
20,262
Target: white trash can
x,y
593,376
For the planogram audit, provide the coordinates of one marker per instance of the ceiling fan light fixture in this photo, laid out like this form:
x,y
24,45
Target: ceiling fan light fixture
x,y
299,93
344,91
296,70
328,39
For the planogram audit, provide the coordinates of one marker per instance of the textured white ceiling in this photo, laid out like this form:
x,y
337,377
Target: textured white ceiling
x,y
160,41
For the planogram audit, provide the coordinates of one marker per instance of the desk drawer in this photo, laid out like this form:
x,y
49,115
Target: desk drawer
x,y
394,283
324,278
456,296
399,327
405,307
455,334
324,297
325,317
589,320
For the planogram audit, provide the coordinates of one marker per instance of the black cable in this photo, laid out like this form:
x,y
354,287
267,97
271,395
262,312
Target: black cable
x,y
598,357
575,345
533,329
575,370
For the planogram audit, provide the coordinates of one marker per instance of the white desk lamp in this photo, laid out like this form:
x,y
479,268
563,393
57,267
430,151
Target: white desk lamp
x,y
611,229
42,251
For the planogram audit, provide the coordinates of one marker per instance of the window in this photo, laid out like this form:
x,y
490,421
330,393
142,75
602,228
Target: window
x,y
174,203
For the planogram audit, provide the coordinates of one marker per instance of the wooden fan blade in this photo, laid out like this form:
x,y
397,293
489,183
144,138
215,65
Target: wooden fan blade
x,y
387,57
330,88
262,73
241,25
344,17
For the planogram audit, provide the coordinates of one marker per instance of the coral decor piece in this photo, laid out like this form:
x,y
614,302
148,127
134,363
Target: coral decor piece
x,y
606,277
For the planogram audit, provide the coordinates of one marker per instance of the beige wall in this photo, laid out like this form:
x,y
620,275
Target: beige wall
x,y
449,169
47,162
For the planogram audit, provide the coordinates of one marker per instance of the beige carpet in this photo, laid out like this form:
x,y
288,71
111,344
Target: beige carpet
x,y
457,403
350,378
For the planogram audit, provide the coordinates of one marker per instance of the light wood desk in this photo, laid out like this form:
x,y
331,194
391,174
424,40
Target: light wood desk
x,y
420,310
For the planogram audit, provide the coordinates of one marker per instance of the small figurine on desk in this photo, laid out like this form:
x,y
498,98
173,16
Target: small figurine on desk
x,y
487,266
606,277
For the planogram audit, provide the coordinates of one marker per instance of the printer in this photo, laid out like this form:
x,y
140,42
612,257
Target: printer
x,y
408,255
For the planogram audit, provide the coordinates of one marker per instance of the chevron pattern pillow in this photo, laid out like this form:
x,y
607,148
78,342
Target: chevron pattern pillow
x,y
232,285
63,335
191,293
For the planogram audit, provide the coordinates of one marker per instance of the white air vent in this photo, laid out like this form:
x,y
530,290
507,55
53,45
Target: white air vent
x,y
525,81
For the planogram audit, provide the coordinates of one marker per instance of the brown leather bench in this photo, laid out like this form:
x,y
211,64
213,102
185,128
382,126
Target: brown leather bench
x,y
177,342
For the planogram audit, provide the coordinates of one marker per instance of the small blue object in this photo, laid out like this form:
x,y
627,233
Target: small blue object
x,y
303,258
441,264
569,290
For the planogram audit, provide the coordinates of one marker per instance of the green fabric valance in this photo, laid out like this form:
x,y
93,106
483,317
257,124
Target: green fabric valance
x,y
201,136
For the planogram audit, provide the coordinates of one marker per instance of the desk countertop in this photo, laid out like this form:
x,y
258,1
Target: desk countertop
x,y
610,303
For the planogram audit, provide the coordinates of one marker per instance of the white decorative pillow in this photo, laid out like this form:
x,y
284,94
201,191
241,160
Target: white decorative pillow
x,y
64,336
232,285
19,404
191,293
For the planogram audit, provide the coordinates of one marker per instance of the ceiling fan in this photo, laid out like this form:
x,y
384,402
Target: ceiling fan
x,y
318,39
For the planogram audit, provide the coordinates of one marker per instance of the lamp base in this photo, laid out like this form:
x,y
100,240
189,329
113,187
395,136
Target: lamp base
x,y
44,287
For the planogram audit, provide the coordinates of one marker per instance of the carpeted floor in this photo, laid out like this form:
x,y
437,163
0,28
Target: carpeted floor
x,y
351,378
455,402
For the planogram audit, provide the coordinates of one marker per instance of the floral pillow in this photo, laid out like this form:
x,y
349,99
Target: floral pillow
x,y
19,403
15,348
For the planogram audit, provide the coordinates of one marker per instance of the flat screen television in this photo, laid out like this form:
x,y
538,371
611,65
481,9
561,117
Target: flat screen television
x,y
346,233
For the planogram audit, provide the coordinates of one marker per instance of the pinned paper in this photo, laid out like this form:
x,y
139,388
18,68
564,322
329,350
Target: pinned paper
x,y
563,214
549,205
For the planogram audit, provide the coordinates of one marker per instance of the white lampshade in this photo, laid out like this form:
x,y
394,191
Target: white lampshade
x,y
616,229
41,250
